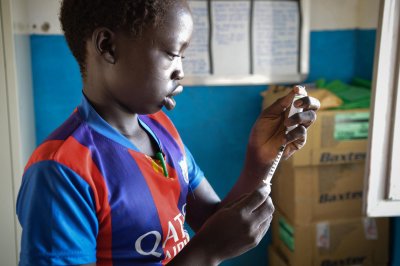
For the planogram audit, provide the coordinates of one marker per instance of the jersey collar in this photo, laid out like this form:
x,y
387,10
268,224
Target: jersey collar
x,y
95,121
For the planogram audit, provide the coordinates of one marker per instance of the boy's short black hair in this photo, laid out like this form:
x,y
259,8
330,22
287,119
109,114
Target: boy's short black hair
x,y
79,18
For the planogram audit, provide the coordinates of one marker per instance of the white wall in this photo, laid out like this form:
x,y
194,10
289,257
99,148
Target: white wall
x,y
344,14
325,15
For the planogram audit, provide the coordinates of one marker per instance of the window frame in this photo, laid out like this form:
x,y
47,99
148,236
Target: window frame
x,y
382,188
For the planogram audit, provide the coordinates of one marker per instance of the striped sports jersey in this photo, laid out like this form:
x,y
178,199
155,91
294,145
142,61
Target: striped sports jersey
x,y
88,194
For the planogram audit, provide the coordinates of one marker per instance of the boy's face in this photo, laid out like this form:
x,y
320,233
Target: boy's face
x,y
148,69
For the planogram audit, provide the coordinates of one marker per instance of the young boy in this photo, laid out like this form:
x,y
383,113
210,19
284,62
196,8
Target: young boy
x,y
115,184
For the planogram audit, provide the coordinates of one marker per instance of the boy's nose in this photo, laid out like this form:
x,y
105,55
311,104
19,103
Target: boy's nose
x,y
178,73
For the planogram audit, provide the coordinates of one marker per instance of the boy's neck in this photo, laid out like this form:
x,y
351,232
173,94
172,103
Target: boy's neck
x,y
124,122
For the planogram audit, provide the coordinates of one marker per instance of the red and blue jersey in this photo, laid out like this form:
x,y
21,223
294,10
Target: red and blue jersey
x,y
89,195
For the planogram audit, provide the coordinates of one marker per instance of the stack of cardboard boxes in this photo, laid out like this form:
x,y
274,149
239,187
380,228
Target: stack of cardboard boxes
x,y
318,199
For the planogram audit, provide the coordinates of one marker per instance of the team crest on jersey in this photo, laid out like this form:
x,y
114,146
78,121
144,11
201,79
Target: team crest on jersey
x,y
184,169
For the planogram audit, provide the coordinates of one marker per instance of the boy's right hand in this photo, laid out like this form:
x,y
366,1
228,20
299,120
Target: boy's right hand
x,y
239,226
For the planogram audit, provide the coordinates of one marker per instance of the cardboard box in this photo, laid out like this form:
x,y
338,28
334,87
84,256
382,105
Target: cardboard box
x,y
324,180
336,137
356,241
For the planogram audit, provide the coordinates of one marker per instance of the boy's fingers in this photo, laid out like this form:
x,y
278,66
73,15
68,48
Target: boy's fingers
x,y
264,226
299,133
256,198
305,118
279,105
263,212
308,103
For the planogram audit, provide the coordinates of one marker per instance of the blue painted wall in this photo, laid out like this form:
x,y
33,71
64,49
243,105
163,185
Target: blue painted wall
x,y
213,121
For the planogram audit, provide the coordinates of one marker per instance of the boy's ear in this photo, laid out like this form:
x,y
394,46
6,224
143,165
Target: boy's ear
x,y
103,40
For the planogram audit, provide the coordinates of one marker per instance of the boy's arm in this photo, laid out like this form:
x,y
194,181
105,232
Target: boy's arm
x,y
229,218
57,214
267,136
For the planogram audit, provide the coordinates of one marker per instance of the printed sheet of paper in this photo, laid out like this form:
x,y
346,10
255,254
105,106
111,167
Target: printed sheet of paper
x,y
197,59
230,37
275,37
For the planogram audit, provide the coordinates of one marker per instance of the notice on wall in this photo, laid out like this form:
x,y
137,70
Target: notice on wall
x,y
275,37
197,55
243,38
230,38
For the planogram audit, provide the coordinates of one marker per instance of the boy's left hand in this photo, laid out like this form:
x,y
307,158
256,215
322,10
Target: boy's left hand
x,y
268,133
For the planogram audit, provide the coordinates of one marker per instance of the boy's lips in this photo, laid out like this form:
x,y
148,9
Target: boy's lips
x,y
169,101
177,90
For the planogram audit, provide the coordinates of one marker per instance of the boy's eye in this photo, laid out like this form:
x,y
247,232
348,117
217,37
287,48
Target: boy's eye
x,y
172,56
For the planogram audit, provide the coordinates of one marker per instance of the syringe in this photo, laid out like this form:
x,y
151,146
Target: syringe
x,y
293,110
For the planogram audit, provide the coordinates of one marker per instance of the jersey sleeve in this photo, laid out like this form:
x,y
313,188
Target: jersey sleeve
x,y
195,174
56,210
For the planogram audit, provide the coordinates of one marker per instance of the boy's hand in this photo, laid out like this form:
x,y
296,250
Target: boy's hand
x,y
237,227
268,133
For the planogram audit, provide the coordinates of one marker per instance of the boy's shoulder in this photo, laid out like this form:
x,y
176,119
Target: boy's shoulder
x,y
60,146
